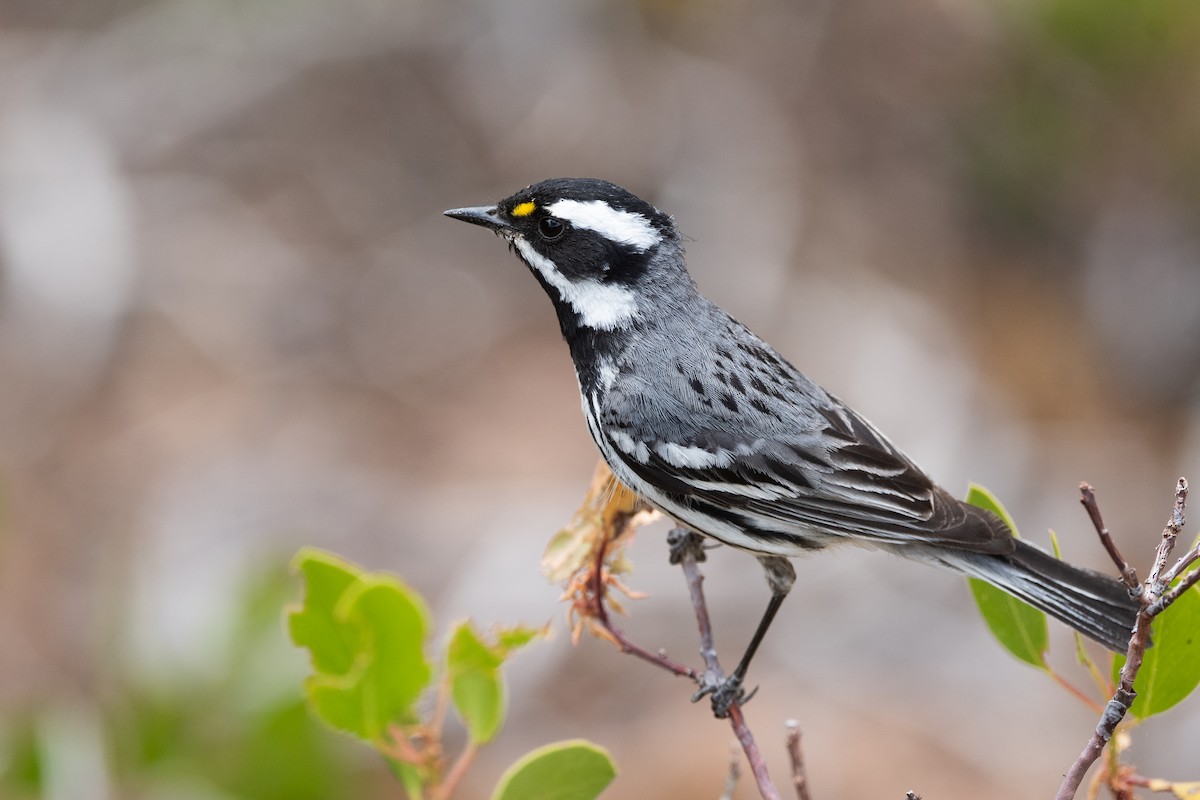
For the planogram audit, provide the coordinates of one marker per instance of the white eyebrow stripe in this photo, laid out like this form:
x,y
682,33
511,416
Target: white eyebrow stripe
x,y
599,305
625,227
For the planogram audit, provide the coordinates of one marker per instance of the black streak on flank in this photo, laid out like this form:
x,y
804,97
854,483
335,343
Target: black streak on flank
x,y
697,386
760,406
728,401
737,384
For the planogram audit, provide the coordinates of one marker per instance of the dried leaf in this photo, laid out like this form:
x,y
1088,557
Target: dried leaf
x,y
606,521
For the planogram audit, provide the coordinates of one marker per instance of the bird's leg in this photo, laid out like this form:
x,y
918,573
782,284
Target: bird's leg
x,y
780,577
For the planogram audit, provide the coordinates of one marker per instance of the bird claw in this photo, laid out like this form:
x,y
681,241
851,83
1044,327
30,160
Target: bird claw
x,y
724,694
682,542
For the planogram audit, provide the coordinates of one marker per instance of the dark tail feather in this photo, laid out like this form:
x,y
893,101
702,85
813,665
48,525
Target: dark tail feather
x,y
1096,605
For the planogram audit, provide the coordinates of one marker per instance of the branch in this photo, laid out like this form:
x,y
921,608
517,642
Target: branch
x,y
799,776
459,768
1128,573
600,612
758,764
735,772
687,550
1151,597
1169,535
1170,597
1185,561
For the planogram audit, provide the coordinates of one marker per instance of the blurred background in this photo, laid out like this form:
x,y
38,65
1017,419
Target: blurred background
x,y
233,322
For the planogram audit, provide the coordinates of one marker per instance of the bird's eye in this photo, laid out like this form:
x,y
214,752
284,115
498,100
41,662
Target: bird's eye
x,y
550,228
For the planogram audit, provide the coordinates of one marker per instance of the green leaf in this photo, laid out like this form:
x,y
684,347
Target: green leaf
x,y
367,643
1019,627
1054,548
1171,668
476,684
517,636
980,497
571,770
326,578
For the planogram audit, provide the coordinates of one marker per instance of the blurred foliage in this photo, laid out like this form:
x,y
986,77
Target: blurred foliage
x,y
572,770
1084,87
221,737
367,632
1126,45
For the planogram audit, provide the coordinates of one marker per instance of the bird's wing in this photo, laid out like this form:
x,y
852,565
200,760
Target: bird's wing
x,y
826,470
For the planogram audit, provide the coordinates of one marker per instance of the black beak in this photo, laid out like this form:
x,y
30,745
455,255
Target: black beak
x,y
487,216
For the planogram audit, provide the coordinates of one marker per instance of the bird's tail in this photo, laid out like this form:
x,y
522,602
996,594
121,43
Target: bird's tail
x,y
1092,603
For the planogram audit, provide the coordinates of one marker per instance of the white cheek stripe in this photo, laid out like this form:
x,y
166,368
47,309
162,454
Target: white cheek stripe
x,y
624,227
598,305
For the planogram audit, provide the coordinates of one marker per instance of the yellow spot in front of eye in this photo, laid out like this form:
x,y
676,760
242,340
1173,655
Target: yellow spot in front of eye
x,y
524,209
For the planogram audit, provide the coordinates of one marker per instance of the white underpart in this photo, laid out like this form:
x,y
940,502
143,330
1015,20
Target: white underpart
x,y
599,305
624,227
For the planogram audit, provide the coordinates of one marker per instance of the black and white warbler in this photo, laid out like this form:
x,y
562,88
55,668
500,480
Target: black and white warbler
x,y
708,423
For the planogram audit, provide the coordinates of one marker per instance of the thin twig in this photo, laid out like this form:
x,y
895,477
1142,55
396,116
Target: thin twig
x,y
1128,573
1103,683
450,783
1123,696
600,611
686,550
1173,594
1185,561
758,764
398,747
735,772
1169,535
799,775
1074,691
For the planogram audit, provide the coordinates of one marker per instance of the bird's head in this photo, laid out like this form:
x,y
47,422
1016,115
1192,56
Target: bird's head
x,y
602,254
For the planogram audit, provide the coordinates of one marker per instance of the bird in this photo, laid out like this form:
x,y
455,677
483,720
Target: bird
x,y
711,425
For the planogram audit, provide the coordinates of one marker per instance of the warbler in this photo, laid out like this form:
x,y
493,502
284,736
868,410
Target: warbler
x,y
707,422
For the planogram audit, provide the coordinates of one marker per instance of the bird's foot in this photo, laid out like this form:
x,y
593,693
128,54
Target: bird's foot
x,y
724,694
682,542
